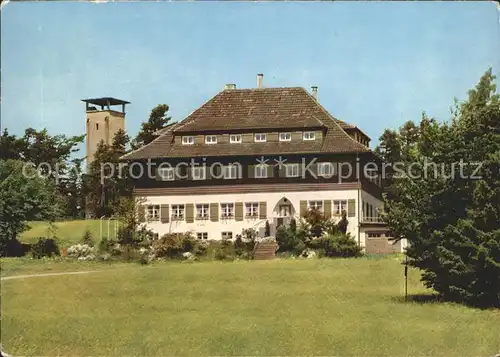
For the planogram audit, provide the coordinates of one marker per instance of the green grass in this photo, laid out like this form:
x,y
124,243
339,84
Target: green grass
x,y
282,307
67,232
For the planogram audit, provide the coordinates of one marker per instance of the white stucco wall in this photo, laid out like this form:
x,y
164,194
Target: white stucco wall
x,y
214,229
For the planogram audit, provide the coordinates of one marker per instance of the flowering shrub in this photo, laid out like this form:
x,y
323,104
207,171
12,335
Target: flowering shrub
x,y
81,252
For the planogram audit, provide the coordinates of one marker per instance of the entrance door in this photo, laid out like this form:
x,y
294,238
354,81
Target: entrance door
x,y
285,211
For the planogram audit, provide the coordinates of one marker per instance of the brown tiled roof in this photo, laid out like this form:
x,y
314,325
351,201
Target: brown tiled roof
x,y
239,110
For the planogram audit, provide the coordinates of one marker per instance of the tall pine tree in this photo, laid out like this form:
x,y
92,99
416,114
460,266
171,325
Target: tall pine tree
x,y
158,119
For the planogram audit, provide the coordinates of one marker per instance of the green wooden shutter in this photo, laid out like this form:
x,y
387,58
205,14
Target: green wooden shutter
x,y
251,171
141,212
282,171
303,207
189,213
164,214
238,211
214,212
262,210
270,170
327,208
351,208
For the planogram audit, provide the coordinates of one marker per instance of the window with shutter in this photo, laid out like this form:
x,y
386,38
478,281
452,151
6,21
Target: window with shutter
x,y
351,208
263,210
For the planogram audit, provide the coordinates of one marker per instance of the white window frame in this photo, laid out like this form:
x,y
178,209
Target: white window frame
x,y
285,136
339,206
210,139
227,235
178,212
290,170
166,173
199,173
260,137
235,138
309,135
228,172
188,140
260,171
251,209
325,169
152,213
204,209
202,235
227,210
315,204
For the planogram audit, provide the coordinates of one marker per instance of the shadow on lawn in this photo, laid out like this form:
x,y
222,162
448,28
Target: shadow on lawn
x,y
436,298
420,298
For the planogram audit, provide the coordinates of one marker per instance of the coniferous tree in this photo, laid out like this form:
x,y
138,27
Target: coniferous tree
x,y
158,119
450,213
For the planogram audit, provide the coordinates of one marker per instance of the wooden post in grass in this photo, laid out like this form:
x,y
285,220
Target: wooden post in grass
x,y
406,277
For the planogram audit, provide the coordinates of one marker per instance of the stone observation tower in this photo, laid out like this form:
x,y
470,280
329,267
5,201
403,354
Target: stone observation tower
x,y
102,122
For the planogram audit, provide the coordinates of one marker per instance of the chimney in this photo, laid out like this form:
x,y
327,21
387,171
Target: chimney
x,y
315,92
260,79
230,86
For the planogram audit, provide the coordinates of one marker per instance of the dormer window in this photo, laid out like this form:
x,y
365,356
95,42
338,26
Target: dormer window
x,y
235,138
210,139
260,137
187,140
309,135
285,136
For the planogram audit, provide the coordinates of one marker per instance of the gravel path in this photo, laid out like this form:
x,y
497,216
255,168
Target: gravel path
x,y
48,274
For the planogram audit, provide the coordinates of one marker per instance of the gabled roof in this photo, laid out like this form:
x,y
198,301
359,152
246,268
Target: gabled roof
x,y
242,110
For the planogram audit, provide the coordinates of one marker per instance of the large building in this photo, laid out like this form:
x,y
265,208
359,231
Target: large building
x,y
248,156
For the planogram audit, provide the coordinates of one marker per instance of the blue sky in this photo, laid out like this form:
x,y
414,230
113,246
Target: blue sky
x,y
376,64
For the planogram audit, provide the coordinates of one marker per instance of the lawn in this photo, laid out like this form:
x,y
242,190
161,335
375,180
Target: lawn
x,y
281,307
67,232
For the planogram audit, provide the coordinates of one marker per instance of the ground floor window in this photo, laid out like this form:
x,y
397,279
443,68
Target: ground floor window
x,y
153,212
227,235
317,205
292,170
177,212
251,209
227,210
339,206
202,211
202,235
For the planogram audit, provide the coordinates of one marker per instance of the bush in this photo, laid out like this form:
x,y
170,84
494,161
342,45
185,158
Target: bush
x,y
174,245
81,252
340,245
45,247
109,246
289,241
87,238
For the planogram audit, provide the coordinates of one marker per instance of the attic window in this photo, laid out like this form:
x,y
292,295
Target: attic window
x,y
260,138
187,140
285,136
210,139
235,138
309,135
